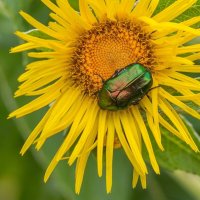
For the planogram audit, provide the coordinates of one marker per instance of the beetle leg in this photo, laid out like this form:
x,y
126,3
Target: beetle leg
x,y
136,102
103,81
154,88
95,93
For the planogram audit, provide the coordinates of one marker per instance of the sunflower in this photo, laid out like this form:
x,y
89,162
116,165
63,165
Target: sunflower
x,y
83,49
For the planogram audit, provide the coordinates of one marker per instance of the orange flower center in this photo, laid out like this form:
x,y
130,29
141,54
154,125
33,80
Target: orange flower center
x,y
107,47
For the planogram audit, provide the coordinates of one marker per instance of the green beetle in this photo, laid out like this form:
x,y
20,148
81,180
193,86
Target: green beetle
x,y
126,87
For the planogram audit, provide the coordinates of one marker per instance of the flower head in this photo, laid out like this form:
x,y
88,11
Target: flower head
x,y
85,49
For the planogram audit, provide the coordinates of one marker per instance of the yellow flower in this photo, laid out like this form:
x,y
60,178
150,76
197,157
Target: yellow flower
x,y
86,47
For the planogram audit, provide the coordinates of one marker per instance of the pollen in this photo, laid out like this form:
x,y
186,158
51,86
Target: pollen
x,y
106,48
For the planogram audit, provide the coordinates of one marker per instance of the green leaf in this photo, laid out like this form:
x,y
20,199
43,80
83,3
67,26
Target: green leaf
x,y
177,154
74,4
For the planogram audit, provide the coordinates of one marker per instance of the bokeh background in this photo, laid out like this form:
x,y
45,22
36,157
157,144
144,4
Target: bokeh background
x,y
21,178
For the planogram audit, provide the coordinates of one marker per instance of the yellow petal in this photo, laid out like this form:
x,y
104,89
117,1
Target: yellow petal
x,y
55,122
72,16
141,8
138,164
131,135
86,12
102,128
24,47
152,7
170,128
154,93
189,95
68,141
85,134
82,160
126,6
145,136
135,179
35,132
192,144
109,153
38,103
40,26
180,104
174,120
98,7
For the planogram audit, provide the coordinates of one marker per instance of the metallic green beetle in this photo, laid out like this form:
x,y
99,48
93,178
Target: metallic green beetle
x,y
126,87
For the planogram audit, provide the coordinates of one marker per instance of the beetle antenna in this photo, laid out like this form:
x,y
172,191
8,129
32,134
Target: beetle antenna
x,y
152,89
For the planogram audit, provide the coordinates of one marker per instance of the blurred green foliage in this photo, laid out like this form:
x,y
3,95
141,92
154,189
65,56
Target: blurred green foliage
x,y
21,178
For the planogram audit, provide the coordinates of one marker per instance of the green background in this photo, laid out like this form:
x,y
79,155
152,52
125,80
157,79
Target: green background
x,y
21,178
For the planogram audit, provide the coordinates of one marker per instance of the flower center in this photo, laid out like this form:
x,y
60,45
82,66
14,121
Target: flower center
x,y
107,47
